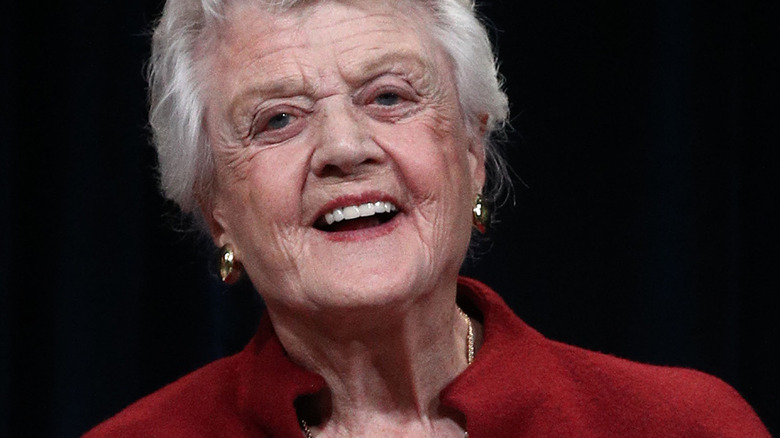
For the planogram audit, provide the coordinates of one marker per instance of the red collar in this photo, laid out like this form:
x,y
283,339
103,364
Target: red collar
x,y
270,383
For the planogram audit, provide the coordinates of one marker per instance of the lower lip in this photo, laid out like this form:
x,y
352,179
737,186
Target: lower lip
x,y
365,233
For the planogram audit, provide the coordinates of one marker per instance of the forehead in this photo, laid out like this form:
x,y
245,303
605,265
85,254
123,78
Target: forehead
x,y
274,50
322,17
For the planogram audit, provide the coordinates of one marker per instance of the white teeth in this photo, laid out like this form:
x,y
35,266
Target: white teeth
x,y
366,210
356,211
351,212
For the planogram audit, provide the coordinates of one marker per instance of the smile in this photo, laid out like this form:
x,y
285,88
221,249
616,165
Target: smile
x,y
355,217
356,211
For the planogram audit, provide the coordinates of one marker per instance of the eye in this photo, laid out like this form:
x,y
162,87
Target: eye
x,y
387,99
279,121
277,125
390,99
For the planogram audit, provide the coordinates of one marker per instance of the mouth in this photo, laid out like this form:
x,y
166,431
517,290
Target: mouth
x,y
357,217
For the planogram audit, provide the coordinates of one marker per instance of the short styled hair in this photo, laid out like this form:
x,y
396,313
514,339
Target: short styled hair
x,y
177,101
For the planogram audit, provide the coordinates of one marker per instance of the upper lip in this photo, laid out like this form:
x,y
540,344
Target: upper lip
x,y
348,200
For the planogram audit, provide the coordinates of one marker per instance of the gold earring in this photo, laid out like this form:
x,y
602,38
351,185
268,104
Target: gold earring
x,y
229,267
481,216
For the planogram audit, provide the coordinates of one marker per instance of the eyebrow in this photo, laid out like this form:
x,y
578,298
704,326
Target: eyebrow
x,y
288,85
362,70
355,73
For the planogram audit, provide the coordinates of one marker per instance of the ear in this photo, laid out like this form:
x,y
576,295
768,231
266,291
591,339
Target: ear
x,y
476,153
214,220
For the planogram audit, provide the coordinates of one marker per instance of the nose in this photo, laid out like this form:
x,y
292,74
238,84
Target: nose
x,y
345,146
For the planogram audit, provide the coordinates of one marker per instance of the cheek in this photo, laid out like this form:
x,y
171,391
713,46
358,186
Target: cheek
x,y
263,191
431,158
433,166
278,176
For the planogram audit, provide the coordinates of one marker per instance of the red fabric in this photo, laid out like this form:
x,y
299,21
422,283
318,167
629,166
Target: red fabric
x,y
520,385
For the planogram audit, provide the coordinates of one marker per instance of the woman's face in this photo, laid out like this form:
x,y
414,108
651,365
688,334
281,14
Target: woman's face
x,y
324,112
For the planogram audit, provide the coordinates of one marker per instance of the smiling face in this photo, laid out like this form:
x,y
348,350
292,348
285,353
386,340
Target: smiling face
x,y
344,171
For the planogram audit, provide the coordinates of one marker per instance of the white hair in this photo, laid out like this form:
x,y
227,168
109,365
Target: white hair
x,y
178,103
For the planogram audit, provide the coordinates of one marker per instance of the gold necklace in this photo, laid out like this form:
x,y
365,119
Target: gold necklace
x,y
306,430
469,337
469,359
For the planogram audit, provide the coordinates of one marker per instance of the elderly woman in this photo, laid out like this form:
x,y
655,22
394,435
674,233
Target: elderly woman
x,y
336,151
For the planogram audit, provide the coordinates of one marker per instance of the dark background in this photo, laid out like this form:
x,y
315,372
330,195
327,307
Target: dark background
x,y
645,134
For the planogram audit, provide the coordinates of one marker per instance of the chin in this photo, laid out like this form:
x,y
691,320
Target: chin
x,y
373,283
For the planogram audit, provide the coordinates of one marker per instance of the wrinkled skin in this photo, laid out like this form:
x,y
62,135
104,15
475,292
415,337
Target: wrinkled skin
x,y
369,109
329,105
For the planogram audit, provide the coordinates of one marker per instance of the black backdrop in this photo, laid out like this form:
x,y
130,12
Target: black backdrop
x,y
645,135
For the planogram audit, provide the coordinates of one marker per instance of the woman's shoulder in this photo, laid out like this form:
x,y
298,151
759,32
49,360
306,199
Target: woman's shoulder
x,y
249,394
559,389
612,396
199,404
671,398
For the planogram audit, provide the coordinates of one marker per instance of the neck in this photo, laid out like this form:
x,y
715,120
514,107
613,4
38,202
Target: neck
x,y
384,369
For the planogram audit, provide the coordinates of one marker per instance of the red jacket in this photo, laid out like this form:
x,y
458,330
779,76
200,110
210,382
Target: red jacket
x,y
520,385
